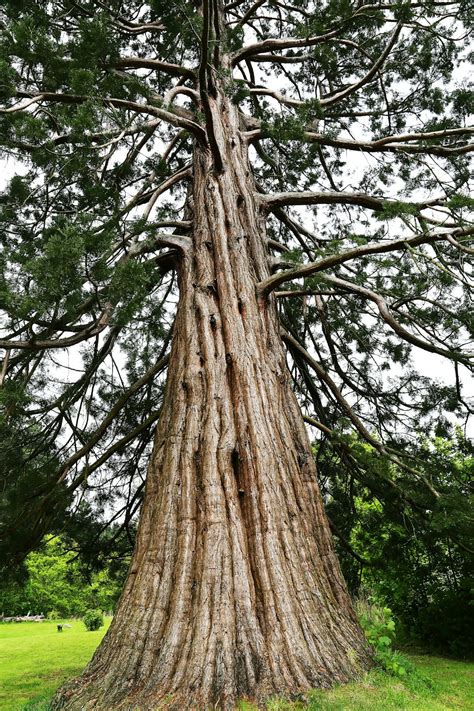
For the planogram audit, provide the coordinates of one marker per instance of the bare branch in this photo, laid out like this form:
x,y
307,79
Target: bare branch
x,y
323,198
258,48
319,425
393,144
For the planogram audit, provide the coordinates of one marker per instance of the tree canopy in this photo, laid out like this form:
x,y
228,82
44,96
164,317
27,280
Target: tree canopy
x,y
359,121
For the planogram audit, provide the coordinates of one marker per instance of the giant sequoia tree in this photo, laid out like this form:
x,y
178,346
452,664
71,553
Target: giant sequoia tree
x,y
268,201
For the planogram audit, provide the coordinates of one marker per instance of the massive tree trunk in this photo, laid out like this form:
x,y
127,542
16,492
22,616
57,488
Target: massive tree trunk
x,y
234,590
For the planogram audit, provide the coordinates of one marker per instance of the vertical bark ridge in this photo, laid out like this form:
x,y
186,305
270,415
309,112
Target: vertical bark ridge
x,y
234,589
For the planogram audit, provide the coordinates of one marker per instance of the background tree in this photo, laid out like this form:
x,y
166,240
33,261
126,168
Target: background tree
x,y
57,585
416,560
299,173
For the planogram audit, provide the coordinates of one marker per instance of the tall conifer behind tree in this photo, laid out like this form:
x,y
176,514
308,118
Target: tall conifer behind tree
x,y
295,176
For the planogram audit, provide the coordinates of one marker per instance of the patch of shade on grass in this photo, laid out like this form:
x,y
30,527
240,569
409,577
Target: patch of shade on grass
x,y
35,659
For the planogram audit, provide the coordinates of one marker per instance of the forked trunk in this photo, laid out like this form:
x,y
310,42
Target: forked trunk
x,y
234,590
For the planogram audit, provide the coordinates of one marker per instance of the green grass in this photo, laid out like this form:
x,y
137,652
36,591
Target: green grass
x,y
443,685
439,684
35,659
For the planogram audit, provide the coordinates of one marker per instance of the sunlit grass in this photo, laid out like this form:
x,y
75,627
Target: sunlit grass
x,y
35,659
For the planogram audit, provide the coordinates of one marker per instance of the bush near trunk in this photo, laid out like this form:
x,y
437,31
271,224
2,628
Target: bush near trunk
x,y
93,620
379,628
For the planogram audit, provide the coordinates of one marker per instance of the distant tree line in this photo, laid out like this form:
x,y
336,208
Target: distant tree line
x,y
57,582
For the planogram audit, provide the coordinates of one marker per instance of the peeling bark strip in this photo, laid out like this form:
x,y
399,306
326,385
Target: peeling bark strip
x,y
234,589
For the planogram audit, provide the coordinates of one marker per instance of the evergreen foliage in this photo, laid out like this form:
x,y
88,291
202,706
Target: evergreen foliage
x,y
411,554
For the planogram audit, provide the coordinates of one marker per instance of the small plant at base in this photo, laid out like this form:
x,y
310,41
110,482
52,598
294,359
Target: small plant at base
x,y
379,628
93,620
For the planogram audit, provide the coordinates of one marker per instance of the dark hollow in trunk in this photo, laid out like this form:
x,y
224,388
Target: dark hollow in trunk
x,y
234,590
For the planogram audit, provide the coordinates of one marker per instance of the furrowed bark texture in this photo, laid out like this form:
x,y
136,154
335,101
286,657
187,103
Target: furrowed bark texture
x,y
234,589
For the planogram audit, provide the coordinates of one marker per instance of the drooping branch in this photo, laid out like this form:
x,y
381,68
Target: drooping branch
x,y
86,333
162,188
89,330
395,325
375,68
112,135
305,270
171,117
78,388
300,351
113,449
253,8
95,437
125,25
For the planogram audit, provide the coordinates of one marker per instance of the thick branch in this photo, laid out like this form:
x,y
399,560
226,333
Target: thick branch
x,y
276,44
173,118
401,143
268,285
323,198
156,65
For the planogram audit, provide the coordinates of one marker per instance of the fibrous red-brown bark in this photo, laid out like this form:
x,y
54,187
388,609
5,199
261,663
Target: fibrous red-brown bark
x,y
234,590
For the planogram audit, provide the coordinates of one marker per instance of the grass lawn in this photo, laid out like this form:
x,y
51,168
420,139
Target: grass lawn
x,y
443,684
35,659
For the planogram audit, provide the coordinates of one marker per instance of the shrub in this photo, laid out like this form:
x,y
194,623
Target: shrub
x,y
93,619
379,628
